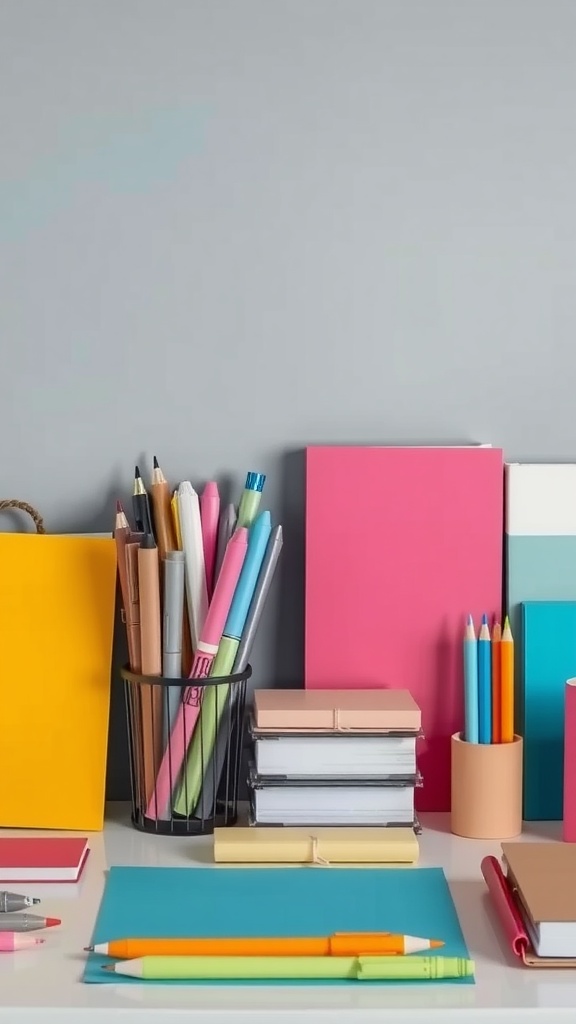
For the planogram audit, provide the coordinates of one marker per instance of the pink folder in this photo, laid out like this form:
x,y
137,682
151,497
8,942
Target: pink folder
x,y
402,544
569,828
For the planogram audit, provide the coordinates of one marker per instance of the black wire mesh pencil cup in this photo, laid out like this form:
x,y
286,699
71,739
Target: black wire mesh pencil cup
x,y
185,748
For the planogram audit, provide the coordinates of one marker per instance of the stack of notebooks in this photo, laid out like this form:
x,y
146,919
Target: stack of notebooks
x,y
334,757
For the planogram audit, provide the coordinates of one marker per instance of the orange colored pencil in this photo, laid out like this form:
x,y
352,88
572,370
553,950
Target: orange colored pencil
x,y
343,944
496,684
507,683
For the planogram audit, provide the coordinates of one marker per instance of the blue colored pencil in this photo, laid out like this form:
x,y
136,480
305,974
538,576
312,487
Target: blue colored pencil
x,y
484,684
470,683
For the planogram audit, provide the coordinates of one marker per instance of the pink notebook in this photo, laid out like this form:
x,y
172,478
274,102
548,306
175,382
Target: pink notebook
x,y
569,827
402,544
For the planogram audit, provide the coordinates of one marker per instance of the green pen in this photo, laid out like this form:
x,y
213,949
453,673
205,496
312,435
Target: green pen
x,y
214,700
277,968
250,500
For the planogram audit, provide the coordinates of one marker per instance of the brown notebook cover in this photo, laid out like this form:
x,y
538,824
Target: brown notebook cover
x,y
538,885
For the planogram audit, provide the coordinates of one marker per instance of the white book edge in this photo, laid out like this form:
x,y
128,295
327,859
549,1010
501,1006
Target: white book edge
x,y
540,499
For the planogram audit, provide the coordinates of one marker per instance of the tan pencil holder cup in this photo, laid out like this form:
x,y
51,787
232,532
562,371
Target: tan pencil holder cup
x,y
486,789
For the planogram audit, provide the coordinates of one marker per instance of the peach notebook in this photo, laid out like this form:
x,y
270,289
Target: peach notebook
x,y
401,545
335,710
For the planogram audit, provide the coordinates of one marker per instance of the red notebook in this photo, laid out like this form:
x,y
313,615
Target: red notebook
x,y
49,859
402,544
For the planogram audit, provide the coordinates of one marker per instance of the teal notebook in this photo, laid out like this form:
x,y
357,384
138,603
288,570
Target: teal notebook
x,y
210,902
549,657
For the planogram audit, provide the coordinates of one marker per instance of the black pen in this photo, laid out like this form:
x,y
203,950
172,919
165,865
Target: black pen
x,y
141,505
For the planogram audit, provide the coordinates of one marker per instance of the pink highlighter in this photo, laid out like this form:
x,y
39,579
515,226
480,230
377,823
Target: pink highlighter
x,y
11,941
175,753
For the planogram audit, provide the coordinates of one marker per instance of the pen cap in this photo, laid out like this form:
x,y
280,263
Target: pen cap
x,y
255,481
486,789
173,600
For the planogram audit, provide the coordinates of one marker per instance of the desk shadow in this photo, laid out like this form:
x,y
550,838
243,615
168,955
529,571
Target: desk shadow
x,y
482,931
289,634
550,830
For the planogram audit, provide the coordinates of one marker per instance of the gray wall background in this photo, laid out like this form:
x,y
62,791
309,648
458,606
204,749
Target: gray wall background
x,y
229,228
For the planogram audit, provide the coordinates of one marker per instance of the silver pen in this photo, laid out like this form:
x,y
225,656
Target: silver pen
x,y
26,922
174,568
205,806
226,528
12,901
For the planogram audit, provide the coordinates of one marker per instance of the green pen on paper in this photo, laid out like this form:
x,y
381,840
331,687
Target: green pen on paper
x,y
214,699
345,968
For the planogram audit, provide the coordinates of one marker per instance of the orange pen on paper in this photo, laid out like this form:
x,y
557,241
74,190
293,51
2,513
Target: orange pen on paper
x,y
507,683
496,684
339,944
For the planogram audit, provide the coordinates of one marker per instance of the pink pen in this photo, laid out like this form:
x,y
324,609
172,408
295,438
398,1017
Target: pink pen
x,y
11,941
209,517
159,804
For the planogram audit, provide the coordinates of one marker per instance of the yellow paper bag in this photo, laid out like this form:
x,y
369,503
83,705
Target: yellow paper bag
x,y
57,596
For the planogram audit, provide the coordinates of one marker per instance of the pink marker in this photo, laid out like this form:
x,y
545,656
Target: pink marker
x,y
210,518
159,804
11,941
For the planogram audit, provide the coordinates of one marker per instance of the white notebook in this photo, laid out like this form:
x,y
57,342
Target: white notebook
x,y
333,805
333,756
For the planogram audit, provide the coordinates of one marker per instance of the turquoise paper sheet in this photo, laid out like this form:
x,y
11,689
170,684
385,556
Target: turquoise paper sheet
x,y
184,902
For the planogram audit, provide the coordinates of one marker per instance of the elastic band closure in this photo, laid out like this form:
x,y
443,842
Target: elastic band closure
x,y
315,857
338,727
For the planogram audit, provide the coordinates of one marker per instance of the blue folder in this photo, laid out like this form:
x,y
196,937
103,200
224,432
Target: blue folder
x,y
549,659
210,902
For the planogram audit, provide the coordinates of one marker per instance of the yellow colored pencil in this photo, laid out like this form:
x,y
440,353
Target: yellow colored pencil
x,y
496,684
507,683
176,519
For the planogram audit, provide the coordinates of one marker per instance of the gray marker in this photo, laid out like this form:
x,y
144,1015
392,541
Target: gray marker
x,y
12,901
26,922
226,528
174,566
215,767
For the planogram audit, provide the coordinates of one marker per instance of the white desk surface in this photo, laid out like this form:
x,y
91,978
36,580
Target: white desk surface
x,y
44,985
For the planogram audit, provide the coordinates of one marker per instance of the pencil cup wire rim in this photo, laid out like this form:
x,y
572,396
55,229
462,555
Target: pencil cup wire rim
x,y
137,677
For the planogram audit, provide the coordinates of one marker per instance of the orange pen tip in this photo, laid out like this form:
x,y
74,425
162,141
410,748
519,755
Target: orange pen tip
x,y
435,943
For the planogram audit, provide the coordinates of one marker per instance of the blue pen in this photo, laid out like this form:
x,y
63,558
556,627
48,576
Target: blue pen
x,y
470,683
484,684
257,543
250,500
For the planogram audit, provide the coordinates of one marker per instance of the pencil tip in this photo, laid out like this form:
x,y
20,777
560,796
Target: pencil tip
x,y
107,967
156,465
119,508
136,472
36,900
470,620
88,949
484,619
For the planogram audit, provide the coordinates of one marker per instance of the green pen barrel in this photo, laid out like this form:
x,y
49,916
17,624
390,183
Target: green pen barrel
x,y
249,967
413,968
279,968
